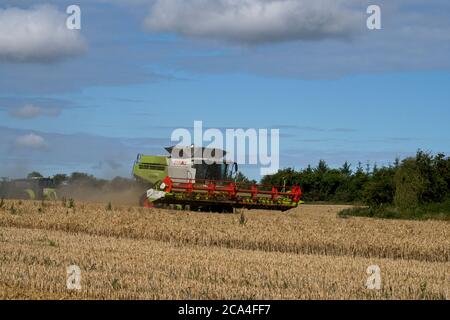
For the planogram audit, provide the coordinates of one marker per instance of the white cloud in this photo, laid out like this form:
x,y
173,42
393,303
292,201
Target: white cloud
x,y
30,111
255,21
31,141
38,34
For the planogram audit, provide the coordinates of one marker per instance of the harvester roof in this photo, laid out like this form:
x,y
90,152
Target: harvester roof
x,y
194,151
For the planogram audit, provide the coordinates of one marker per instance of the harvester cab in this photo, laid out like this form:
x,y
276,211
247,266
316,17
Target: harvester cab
x,y
189,163
202,179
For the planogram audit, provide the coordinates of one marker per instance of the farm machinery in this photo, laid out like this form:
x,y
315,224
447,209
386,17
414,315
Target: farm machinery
x,y
201,179
28,189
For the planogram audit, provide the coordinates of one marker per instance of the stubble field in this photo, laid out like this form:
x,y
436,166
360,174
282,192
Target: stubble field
x,y
135,253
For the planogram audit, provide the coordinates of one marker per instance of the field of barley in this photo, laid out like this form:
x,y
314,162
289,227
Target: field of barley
x,y
127,252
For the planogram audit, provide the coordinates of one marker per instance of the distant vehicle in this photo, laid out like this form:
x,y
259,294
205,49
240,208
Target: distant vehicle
x,y
28,189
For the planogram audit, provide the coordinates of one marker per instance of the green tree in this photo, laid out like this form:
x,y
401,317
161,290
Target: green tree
x,y
435,184
34,174
322,167
380,188
60,178
84,179
409,185
346,169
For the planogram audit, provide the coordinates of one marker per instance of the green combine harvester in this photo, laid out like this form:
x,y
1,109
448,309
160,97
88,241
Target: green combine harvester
x,y
28,189
201,179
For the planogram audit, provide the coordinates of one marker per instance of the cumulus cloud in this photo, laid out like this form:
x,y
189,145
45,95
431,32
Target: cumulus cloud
x,y
30,111
254,21
38,34
31,141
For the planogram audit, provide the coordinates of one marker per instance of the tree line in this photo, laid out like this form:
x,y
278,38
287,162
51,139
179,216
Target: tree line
x,y
418,180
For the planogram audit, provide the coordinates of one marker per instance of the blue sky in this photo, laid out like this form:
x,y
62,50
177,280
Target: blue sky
x,y
89,100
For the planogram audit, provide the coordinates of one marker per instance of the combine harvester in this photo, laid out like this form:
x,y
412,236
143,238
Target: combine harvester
x,y
200,183
28,189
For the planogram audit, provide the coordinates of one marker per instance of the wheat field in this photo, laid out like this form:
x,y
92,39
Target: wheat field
x,y
135,253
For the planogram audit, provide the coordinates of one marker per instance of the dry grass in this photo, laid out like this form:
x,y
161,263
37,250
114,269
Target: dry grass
x,y
136,253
